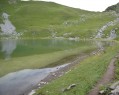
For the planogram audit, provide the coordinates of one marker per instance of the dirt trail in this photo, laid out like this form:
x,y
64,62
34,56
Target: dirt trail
x,y
54,75
67,68
107,77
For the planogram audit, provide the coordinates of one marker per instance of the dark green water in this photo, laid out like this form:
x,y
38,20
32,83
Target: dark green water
x,y
16,48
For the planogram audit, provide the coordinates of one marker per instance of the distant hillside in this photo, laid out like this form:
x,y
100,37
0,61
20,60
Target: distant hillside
x,y
48,19
113,8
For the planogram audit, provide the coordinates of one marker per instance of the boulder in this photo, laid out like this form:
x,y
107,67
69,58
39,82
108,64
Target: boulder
x,y
114,85
69,87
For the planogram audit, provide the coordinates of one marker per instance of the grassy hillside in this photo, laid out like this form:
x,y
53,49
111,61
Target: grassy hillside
x,y
47,19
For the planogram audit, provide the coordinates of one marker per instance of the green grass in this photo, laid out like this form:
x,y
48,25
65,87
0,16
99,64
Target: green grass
x,y
117,71
85,75
40,19
39,60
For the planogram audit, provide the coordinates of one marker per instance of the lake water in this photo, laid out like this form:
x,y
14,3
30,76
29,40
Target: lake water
x,y
16,48
22,82
17,83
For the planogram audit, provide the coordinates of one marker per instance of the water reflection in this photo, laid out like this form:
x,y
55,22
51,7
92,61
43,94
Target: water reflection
x,y
21,82
99,44
37,46
103,44
23,48
7,47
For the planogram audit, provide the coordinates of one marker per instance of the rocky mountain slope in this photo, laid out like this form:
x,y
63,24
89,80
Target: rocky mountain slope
x,y
113,8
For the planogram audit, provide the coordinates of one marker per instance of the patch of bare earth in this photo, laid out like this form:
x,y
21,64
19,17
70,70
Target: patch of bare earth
x,y
107,77
54,75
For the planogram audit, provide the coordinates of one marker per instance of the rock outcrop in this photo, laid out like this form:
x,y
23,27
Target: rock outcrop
x,y
7,27
107,25
113,8
112,90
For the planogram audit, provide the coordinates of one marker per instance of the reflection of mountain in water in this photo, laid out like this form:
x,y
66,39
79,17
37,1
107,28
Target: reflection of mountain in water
x,y
103,44
7,47
100,45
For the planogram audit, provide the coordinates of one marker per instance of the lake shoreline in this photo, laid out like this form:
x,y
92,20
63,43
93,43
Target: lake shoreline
x,y
54,75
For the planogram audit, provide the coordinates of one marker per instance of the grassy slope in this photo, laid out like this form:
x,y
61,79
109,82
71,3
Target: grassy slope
x,y
117,71
40,19
84,75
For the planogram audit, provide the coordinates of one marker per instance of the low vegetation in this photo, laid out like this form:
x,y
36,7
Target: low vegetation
x,y
84,75
50,20
47,19
117,71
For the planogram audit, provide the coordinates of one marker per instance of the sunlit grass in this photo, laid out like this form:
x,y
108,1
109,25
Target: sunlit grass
x,y
84,75
40,19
